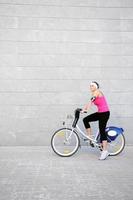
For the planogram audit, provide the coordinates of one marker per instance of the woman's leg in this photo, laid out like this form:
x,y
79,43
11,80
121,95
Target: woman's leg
x,y
89,132
104,145
103,119
86,120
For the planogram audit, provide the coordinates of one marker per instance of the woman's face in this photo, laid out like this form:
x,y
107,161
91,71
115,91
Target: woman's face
x,y
93,88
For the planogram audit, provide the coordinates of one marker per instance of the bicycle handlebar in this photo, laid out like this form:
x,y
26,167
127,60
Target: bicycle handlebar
x,y
80,109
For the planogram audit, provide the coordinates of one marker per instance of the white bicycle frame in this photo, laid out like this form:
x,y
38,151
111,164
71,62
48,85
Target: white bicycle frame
x,y
86,136
78,130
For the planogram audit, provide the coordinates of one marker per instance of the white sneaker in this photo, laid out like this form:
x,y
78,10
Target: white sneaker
x,y
104,155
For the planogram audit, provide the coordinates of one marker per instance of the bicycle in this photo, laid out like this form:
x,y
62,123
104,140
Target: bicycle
x,y
66,141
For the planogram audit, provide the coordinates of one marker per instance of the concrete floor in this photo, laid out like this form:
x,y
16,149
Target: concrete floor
x,y
36,173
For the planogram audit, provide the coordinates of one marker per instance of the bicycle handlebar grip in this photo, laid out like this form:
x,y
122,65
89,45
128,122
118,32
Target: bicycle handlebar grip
x,y
78,109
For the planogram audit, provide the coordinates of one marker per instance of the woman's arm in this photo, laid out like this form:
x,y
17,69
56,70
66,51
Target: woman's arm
x,y
86,107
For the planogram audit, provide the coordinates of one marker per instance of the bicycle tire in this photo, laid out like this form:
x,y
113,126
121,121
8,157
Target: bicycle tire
x,y
65,154
118,151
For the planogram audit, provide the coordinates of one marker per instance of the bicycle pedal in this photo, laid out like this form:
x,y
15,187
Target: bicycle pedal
x,y
91,144
100,148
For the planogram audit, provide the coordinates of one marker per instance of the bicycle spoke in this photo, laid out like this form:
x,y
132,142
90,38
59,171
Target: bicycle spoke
x,y
65,142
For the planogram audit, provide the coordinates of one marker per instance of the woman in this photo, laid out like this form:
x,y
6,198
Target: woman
x,y
102,116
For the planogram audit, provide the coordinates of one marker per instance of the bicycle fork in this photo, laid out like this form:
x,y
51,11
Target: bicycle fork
x,y
67,137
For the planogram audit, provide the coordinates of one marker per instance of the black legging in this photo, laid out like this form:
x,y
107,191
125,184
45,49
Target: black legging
x,y
102,118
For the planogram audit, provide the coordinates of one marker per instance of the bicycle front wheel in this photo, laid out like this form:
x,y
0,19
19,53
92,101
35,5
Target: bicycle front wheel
x,y
115,147
65,142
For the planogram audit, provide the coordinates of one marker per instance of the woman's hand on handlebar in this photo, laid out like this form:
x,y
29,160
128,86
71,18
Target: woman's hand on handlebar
x,y
83,111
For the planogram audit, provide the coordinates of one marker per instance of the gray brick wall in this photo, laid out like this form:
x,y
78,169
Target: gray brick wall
x,y
50,51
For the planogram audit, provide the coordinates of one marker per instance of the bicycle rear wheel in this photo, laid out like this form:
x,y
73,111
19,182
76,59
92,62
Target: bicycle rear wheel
x,y
65,142
116,146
